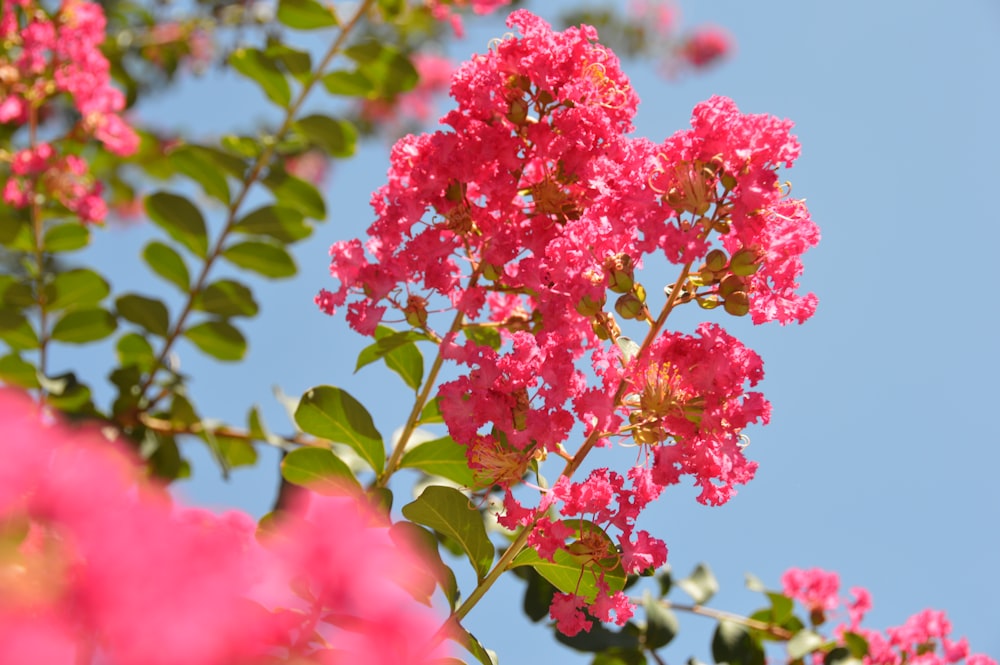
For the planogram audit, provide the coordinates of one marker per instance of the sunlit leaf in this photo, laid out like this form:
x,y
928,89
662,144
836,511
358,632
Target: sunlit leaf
x,y
386,67
424,542
348,83
261,257
257,66
441,457
200,165
295,193
701,584
78,288
226,298
181,219
16,371
450,512
305,14
149,314
134,349
218,339
318,469
168,264
79,326
337,137
333,414
66,237
285,224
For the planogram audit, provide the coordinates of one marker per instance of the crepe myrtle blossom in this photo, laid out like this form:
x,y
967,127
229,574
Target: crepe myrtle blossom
x,y
924,638
83,528
445,10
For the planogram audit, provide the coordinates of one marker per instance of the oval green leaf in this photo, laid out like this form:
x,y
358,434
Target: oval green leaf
x,y
79,326
305,15
226,298
318,469
66,237
450,512
198,164
149,314
284,224
338,138
261,257
78,288
181,219
133,349
441,457
168,264
16,371
219,339
261,69
333,414
295,193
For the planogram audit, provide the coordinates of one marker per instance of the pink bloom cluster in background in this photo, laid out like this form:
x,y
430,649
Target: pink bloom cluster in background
x,y
99,565
923,639
699,48
417,105
529,210
445,10
46,56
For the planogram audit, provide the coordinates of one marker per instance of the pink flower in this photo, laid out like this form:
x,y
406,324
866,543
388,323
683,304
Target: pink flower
x,y
705,46
814,588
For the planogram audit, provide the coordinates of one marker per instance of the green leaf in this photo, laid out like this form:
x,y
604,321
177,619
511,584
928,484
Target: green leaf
x,y
391,8
258,67
732,643
181,219
67,394
450,512
577,573
149,314
441,457
200,165
244,146
538,594
305,15
133,349
255,425
483,336
401,355
333,414
701,584
226,298
261,257
168,264
390,71
219,339
234,164
661,623
79,326
615,656
350,84
473,645
318,469
337,137
295,193
599,639
78,288
16,371
231,451
66,237
804,643
295,62
284,224
431,413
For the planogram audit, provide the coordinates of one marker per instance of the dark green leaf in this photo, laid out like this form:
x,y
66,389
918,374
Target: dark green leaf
x,y
615,656
232,451
841,656
261,257
66,237
18,372
661,624
297,63
163,457
182,413
78,288
732,643
538,595
333,414
441,457
350,84
295,193
168,264
319,470
233,164
67,394
257,66
16,330
599,639
149,314
450,512
701,584
200,165
337,137
390,71
20,294
386,341
665,581
133,349
391,8
284,224
417,539
181,219
80,326
473,645
218,339
305,14
226,298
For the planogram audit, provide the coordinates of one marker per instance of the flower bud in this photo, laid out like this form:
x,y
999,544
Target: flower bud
x,y
588,306
518,113
629,306
737,303
730,284
416,311
716,260
621,273
744,263
492,272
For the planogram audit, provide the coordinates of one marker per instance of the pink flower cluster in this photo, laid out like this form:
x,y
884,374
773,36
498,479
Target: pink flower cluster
x,y
528,211
444,10
98,565
923,639
46,56
699,48
40,171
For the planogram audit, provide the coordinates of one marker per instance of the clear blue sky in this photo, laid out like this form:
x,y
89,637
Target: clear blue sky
x,y
882,456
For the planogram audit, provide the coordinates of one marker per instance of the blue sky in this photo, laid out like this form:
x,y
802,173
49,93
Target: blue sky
x,y
882,456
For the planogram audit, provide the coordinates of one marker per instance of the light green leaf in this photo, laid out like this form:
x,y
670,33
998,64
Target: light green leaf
x,y
218,339
231,451
333,414
181,219
226,298
296,62
431,413
296,193
337,137
284,224
201,166
261,257
441,457
257,66
66,237
305,15
473,646
78,288
134,349
318,469
450,512
804,643
79,326
149,314
386,67
168,264
349,84
701,584
16,371
399,352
